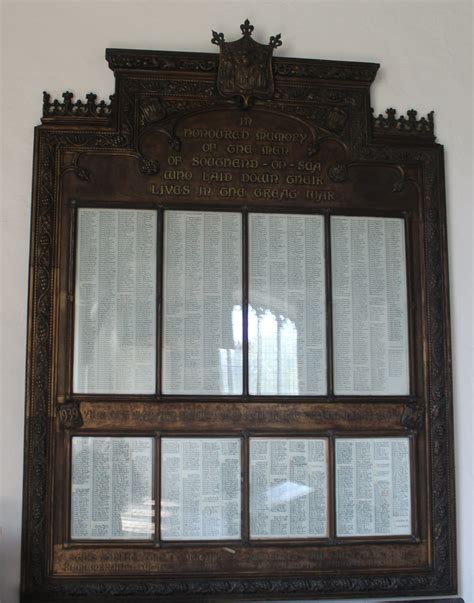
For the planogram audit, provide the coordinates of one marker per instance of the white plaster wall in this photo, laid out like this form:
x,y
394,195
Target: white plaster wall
x,y
425,51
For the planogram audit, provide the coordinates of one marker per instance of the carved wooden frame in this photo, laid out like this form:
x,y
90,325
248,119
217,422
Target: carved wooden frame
x,y
177,83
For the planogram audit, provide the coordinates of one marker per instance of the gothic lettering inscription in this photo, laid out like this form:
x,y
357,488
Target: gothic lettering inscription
x,y
221,559
260,156
172,416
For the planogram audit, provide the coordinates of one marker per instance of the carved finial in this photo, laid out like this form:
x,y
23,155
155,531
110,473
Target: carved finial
x,y
67,96
412,117
217,38
46,103
91,98
275,41
246,28
430,124
391,119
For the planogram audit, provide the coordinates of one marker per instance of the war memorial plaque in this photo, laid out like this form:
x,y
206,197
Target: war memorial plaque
x,y
239,367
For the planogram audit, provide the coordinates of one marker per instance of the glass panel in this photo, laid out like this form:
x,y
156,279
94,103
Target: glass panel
x,y
200,488
287,313
115,302
111,493
202,320
369,290
373,493
288,488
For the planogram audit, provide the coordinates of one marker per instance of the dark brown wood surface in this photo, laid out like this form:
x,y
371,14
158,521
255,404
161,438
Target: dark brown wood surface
x,y
312,146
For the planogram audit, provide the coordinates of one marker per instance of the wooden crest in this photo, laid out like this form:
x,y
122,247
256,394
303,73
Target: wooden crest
x,y
245,66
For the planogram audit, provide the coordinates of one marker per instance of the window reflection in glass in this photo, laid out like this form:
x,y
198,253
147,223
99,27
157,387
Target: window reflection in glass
x,y
115,302
288,487
202,341
287,313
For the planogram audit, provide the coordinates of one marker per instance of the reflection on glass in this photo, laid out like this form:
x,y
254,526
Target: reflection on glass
x,y
283,492
202,333
200,488
288,488
231,358
373,492
287,314
111,488
272,343
115,302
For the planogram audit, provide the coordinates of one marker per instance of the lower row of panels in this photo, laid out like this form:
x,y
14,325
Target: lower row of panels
x,y
202,488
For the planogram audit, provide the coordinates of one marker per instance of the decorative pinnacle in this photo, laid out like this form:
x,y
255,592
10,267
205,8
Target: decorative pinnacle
x,y
275,41
217,38
246,28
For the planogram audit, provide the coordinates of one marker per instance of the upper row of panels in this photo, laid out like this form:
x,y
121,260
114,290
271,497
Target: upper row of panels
x,y
218,298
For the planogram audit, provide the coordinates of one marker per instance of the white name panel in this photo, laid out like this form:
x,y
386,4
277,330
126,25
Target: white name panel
x,y
115,302
288,488
111,493
373,492
200,489
369,290
202,318
287,311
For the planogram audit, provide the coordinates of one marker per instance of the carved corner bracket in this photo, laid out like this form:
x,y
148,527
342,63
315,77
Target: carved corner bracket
x,y
413,416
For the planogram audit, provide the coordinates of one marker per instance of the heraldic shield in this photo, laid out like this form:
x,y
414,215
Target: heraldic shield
x,y
245,66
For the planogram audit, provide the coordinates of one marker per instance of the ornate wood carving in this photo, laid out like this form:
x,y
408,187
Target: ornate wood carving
x,y
377,163
413,416
390,124
78,108
245,66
